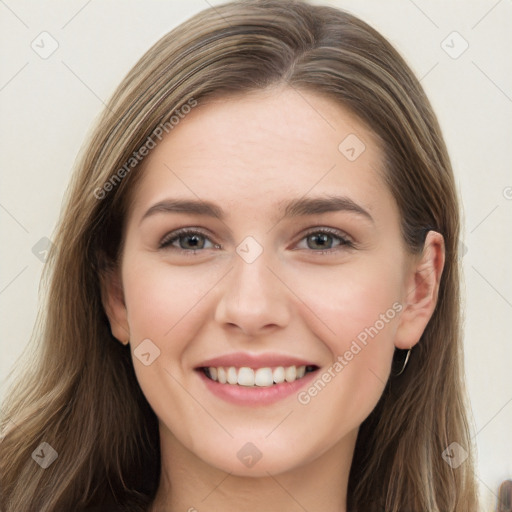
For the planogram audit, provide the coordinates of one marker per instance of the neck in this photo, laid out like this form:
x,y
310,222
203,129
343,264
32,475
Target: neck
x,y
188,484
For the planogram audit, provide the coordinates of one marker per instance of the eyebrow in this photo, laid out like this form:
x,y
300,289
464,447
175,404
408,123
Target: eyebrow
x,y
294,208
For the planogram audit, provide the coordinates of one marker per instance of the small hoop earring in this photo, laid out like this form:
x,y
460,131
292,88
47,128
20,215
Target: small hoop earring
x,y
404,365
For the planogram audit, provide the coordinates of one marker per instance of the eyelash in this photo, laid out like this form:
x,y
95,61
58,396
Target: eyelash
x,y
170,238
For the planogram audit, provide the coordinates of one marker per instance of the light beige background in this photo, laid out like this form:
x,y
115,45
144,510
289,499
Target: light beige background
x,y
48,105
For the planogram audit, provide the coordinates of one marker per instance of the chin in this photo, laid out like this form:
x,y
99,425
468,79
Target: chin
x,y
255,459
262,468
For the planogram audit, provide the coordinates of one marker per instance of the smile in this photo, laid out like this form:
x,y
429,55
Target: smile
x,y
260,377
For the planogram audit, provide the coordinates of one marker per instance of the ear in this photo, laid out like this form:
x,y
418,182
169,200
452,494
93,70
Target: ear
x,y
112,297
422,288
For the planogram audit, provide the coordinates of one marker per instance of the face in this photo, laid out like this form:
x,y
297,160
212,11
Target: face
x,y
262,247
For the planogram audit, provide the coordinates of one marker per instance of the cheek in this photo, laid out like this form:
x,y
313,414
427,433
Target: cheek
x,y
350,300
359,311
162,301
166,305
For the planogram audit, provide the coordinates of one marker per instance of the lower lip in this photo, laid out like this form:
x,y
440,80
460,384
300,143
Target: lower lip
x,y
245,395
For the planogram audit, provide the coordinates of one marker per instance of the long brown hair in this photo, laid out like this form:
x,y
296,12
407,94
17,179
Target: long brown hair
x,y
80,395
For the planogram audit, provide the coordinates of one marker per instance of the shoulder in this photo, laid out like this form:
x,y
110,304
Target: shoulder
x,y
101,508
104,507
109,506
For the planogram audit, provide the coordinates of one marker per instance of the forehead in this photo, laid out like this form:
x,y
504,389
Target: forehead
x,y
263,148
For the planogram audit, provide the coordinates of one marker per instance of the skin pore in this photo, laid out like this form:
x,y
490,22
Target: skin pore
x,y
314,281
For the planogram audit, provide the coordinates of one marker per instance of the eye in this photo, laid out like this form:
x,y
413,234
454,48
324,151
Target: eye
x,y
187,240
325,240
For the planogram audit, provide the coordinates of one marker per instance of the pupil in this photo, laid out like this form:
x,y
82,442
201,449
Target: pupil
x,y
320,240
192,241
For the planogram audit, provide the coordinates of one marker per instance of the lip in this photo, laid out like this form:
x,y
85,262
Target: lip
x,y
255,361
255,396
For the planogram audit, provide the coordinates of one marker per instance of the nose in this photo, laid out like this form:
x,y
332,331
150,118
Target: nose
x,y
253,300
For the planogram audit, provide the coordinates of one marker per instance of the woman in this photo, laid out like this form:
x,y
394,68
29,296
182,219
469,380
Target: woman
x,y
253,300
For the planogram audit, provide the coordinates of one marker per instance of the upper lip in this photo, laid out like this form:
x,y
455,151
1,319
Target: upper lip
x,y
239,359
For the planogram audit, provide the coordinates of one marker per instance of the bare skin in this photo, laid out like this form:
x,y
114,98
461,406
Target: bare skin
x,y
309,294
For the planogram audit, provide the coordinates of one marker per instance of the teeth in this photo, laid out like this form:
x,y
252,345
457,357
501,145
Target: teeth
x,y
261,377
290,374
232,376
278,374
221,375
245,376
